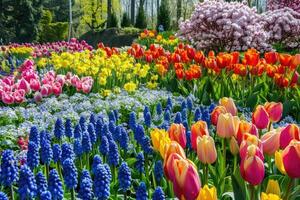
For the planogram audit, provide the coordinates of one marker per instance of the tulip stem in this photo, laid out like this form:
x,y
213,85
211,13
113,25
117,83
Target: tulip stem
x,y
224,153
73,194
288,190
234,162
12,192
252,192
269,126
206,173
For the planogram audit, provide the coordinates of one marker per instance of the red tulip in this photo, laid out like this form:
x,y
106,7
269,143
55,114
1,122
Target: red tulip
x,y
274,110
177,133
295,62
285,59
289,133
260,117
291,159
271,57
215,114
198,129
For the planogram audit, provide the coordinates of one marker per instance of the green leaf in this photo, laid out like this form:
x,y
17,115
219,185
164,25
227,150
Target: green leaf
x,y
238,185
252,100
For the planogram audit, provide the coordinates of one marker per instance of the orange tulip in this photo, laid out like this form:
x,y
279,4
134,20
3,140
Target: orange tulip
x,y
227,125
173,147
168,165
229,104
271,57
285,59
274,110
251,57
295,62
198,129
215,114
177,133
260,117
289,133
291,159
270,141
206,149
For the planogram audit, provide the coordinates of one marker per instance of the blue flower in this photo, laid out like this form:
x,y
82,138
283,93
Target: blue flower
x,y
178,118
68,128
169,102
33,158
112,126
70,173
44,135
148,119
140,162
184,114
104,146
91,131
56,153
146,146
101,183
113,154
183,105
27,184
158,194
77,131
116,113
211,107
86,142
141,192
185,124
117,133
158,171
158,108
189,103
111,116
167,116
197,115
132,121
124,142
99,125
34,136
59,129
93,119
188,139
82,123
46,195
9,168
139,133
41,183
55,185
66,152
106,166
124,177
96,161
3,196
105,130
146,110
46,152
77,146
85,188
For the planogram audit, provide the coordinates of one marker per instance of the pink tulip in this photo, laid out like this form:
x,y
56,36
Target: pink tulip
x,y
270,141
19,96
228,103
291,159
23,84
57,89
86,87
61,79
74,80
9,80
274,110
260,117
289,133
248,141
177,133
35,84
8,98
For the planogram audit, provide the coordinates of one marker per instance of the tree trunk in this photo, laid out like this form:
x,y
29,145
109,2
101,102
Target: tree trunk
x,y
152,13
132,11
109,8
157,6
179,10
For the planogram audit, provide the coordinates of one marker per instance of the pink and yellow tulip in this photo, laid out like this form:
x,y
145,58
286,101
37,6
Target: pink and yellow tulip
x,y
206,149
260,117
177,133
289,133
215,114
198,129
229,104
291,159
274,110
227,125
270,141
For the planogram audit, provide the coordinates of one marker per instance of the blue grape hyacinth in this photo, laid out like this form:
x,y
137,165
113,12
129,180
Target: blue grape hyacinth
x,y
46,195
55,185
34,135
189,103
33,158
141,192
70,173
167,116
3,196
197,115
86,142
148,119
158,171
41,183
85,187
27,184
124,142
77,146
132,121
56,153
140,162
112,126
98,127
59,129
92,133
158,194
46,152
9,168
146,145
124,177
104,146
68,128
169,102
111,116
106,166
82,123
96,161
139,133
178,118
93,119
101,183
113,154
67,152
77,131
158,108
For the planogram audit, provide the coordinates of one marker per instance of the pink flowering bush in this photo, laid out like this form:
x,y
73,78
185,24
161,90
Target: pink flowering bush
x,y
278,4
27,83
218,25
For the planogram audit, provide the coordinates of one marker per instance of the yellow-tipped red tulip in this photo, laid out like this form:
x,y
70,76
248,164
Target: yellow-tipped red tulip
x,y
177,133
279,162
252,166
228,103
289,133
260,117
295,62
169,165
207,193
270,141
227,125
234,146
291,159
206,149
245,127
271,57
215,114
198,129
173,147
251,140
274,110
187,182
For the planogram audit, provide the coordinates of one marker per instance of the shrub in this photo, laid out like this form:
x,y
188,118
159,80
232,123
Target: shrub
x,y
278,4
113,21
218,25
125,20
163,17
141,21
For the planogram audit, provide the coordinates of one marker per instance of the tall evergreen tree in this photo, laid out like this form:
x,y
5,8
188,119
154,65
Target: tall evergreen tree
x,y
163,17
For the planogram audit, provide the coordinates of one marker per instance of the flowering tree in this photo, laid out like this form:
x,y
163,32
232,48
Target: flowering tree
x,y
277,4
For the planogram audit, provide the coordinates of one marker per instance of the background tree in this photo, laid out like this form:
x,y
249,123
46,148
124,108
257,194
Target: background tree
x,y
125,20
163,17
141,20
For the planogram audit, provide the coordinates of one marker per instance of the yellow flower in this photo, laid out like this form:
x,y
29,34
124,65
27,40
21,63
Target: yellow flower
x,y
102,80
265,196
151,34
279,162
151,85
130,87
159,37
207,193
156,136
154,77
106,93
117,90
273,187
143,35
163,145
42,62
234,77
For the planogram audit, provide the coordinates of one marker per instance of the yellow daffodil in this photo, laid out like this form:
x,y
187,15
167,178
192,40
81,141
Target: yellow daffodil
x,y
130,87
106,93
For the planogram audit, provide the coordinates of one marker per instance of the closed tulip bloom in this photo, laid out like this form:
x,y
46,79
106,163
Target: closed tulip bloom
x,y
274,110
273,187
198,129
260,117
168,165
215,114
206,149
187,182
270,141
207,193
245,127
156,136
234,146
163,145
289,133
279,162
265,196
249,141
271,57
173,147
228,103
291,159
227,125
177,133
252,167
295,62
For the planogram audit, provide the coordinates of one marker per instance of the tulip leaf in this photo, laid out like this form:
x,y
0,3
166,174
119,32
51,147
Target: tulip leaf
x,y
296,193
238,185
228,194
252,101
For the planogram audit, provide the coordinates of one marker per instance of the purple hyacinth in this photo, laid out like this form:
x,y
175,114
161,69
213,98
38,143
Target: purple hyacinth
x,y
33,158
9,168
55,185
124,177
70,173
56,153
27,184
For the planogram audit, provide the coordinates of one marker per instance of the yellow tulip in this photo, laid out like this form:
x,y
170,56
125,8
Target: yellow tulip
x,y
207,193
273,187
130,87
265,196
279,162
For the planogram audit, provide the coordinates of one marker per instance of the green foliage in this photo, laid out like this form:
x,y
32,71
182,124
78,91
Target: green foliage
x,y
163,17
113,21
131,30
59,8
125,20
141,21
